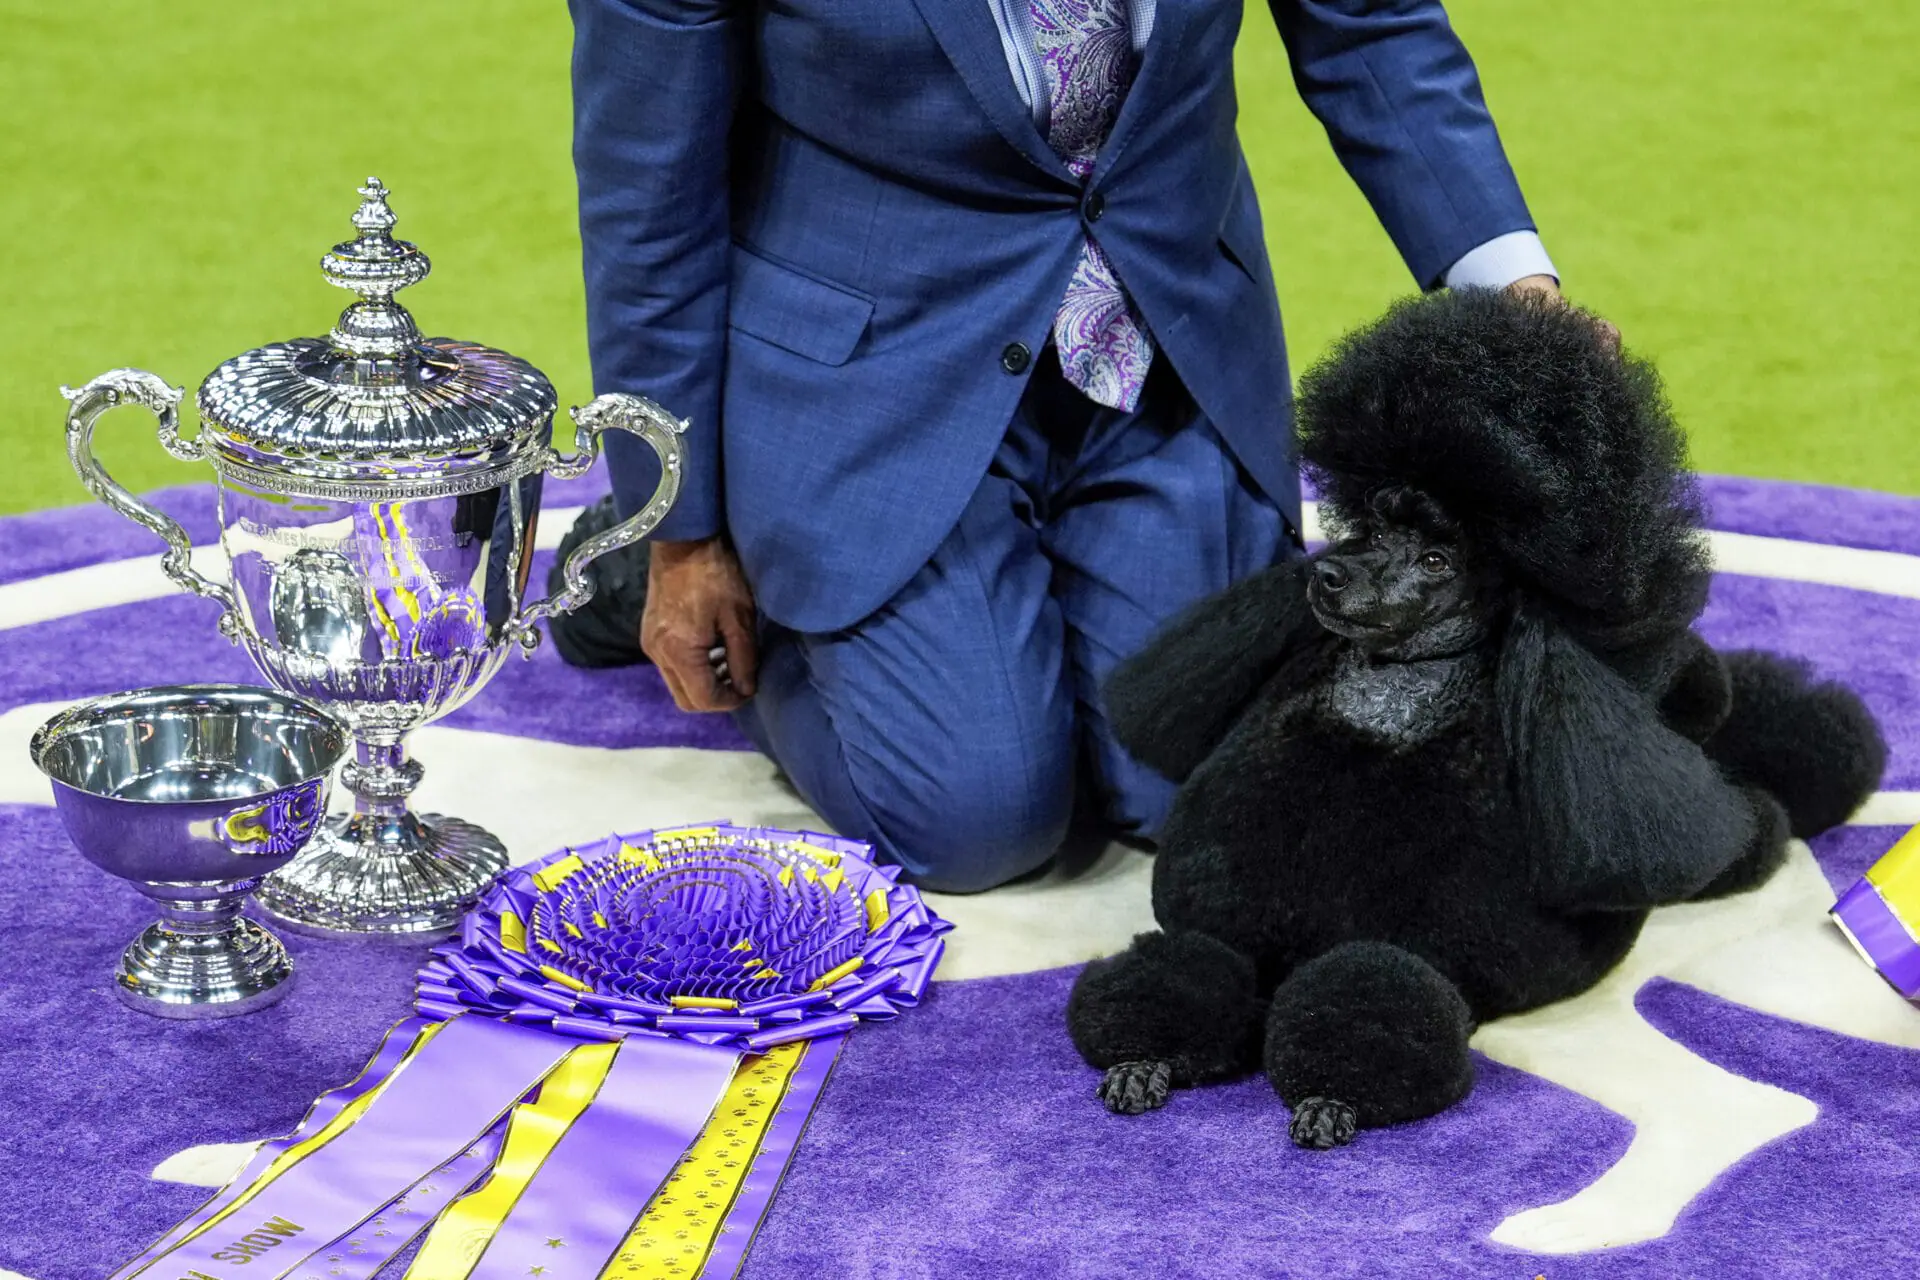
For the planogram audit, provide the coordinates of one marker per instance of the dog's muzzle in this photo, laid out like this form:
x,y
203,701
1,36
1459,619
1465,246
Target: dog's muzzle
x,y
1346,601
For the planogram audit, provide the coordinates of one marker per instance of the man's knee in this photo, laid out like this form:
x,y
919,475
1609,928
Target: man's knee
x,y
968,834
1134,799
958,817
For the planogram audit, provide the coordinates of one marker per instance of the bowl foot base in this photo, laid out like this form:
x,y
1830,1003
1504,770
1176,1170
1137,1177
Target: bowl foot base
x,y
409,877
172,973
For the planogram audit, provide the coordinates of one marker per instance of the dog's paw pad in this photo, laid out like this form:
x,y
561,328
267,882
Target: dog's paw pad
x,y
1322,1123
1133,1087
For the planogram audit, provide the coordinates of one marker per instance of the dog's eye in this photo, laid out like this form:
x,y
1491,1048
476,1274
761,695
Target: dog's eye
x,y
1435,562
1376,538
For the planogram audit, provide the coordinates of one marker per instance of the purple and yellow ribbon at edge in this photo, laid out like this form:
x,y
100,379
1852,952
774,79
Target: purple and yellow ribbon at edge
x,y
608,1070
1880,915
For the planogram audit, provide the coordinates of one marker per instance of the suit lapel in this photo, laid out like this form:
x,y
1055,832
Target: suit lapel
x,y
1172,20
971,41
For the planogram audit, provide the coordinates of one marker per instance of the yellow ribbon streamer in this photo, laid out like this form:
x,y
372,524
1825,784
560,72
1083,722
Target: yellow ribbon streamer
x,y
694,834
465,1229
825,857
703,1002
467,1226
552,877
513,932
676,1231
834,975
1897,876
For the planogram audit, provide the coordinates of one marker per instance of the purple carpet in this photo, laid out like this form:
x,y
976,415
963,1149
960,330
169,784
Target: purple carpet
x,y
962,1140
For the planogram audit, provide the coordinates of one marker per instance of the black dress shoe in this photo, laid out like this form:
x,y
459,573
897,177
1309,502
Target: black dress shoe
x,y
604,632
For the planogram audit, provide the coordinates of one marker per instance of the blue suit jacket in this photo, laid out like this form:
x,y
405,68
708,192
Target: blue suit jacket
x,y
814,227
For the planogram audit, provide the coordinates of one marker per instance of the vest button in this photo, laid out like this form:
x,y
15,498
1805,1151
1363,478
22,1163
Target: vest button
x,y
1016,357
1096,205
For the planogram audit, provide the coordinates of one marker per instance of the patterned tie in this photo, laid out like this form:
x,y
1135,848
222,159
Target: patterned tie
x,y
1086,47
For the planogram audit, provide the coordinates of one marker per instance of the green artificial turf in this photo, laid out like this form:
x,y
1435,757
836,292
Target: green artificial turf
x,y
1734,184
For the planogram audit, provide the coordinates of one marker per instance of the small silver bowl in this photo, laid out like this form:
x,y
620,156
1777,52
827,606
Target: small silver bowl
x,y
193,793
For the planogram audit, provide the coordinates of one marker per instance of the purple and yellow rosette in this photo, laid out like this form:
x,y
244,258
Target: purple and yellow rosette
x,y
609,1068
737,936
1880,914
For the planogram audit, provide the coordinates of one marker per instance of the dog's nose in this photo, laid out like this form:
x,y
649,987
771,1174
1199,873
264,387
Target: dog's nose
x,y
1332,574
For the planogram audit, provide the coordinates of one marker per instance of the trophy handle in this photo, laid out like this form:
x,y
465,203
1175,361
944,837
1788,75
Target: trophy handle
x,y
135,386
615,411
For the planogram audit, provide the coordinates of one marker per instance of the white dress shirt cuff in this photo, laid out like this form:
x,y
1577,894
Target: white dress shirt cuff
x,y
1500,261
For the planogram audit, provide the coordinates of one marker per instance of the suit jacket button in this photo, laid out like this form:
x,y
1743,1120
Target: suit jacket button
x,y
1096,205
1016,357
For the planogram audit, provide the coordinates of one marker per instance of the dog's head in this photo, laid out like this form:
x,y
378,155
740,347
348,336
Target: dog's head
x,y
1405,581
1555,454
1491,470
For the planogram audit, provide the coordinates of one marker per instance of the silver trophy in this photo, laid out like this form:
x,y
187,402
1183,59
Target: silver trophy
x,y
378,496
193,793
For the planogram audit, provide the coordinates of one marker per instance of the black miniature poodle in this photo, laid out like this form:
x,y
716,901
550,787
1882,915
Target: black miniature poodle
x,y
1441,771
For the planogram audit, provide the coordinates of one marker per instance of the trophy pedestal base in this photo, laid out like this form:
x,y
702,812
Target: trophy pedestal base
x,y
409,877
174,973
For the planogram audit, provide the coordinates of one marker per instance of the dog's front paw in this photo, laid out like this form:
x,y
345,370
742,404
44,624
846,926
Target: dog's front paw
x,y
1321,1124
1133,1087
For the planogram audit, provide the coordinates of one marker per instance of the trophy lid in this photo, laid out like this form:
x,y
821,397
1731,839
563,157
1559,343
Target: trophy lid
x,y
375,410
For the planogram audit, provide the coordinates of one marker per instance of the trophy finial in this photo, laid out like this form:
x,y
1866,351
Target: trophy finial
x,y
376,266
373,217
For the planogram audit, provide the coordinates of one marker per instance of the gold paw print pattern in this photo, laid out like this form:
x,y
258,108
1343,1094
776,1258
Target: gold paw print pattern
x,y
676,1232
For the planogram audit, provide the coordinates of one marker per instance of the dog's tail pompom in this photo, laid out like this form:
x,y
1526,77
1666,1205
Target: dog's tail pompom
x,y
1810,743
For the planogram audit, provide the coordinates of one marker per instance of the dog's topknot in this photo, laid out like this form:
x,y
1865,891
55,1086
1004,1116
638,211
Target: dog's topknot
x,y
1555,454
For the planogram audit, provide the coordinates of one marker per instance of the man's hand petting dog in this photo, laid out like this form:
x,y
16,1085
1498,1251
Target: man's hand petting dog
x,y
698,624
1548,286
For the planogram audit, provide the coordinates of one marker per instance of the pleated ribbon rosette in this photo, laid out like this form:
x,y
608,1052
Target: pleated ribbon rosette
x,y
608,1070
1880,914
721,935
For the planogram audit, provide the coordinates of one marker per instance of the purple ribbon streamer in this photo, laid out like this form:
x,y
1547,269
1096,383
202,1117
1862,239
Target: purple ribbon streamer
x,y
379,1240
1881,934
455,1088
784,1004
655,1100
812,1027
399,1038
865,991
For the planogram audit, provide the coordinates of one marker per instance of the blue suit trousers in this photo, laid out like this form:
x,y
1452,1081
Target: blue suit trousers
x,y
959,728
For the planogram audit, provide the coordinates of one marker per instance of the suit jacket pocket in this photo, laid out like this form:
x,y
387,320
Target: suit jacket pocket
x,y
794,311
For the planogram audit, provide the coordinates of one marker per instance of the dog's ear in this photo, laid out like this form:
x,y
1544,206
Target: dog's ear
x,y
1620,810
1173,702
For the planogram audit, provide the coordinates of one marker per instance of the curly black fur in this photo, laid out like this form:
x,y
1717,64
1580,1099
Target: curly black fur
x,y
1177,981
1558,455
1442,772
1700,695
1766,850
1364,1007
1809,742
1192,705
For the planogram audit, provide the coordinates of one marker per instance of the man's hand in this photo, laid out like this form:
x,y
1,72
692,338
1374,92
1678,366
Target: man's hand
x,y
699,606
1536,284
1609,335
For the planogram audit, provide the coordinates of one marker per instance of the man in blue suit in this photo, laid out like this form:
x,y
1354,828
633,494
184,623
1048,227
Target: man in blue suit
x,y
969,305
